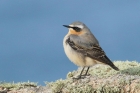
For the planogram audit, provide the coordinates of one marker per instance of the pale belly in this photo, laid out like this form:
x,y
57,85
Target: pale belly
x,y
73,56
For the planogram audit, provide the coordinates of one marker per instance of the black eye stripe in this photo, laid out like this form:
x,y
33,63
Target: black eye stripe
x,y
77,29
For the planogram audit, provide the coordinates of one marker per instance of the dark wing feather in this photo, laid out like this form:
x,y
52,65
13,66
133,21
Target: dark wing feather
x,y
96,52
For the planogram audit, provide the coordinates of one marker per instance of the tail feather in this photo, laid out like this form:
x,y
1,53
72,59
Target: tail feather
x,y
110,63
114,67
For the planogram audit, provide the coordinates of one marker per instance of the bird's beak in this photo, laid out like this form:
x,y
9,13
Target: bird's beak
x,y
67,26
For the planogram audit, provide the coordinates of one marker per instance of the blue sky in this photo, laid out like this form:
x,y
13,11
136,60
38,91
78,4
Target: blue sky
x,y
31,35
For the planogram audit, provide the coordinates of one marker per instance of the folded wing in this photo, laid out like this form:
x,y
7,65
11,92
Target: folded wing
x,y
91,50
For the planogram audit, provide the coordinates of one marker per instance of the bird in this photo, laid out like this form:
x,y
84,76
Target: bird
x,y
83,49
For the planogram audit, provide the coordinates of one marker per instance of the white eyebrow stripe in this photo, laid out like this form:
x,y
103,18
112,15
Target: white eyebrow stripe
x,y
71,25
79,26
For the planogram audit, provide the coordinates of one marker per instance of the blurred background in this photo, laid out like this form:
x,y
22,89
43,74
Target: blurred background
x,y
31,35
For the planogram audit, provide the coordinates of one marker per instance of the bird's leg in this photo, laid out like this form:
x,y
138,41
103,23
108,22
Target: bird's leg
x,y
81,72
86,72
79,76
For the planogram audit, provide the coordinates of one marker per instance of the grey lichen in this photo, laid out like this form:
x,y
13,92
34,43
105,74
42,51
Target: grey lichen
x,y
102,79
57,86
4,86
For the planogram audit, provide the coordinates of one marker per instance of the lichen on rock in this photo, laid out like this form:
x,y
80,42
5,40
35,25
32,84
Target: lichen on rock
x,y
102,79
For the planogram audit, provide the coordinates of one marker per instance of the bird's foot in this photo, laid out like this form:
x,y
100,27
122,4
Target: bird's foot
x,y
78,77
86,74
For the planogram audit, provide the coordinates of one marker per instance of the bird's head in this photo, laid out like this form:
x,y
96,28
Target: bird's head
x,y
77,28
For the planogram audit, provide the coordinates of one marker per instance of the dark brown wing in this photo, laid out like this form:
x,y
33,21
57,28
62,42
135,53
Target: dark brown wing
x,y
96,52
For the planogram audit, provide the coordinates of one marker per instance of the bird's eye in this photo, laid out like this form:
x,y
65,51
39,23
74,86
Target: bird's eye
x,y
77,29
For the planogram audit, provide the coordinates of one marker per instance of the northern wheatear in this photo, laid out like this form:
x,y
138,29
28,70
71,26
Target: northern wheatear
x,y
83,49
